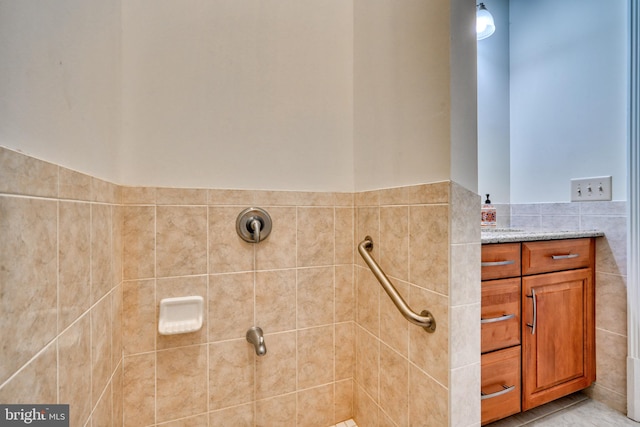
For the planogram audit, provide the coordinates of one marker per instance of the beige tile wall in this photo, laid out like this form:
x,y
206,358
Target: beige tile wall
x,y
337,348
426,242
61,290
297,285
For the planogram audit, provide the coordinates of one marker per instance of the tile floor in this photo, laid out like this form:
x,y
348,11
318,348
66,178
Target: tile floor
x,y
348,423
575,410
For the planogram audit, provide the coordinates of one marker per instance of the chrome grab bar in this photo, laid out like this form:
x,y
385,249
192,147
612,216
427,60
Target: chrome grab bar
x,y
425,319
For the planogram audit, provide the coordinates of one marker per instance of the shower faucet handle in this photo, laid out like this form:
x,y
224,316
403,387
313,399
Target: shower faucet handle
x,y
253,225
256,226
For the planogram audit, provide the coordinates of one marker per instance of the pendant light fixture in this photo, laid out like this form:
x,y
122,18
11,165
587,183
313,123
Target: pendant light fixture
x,y
485,26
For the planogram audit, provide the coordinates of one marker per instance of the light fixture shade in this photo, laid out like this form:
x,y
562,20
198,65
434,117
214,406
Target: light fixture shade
x,y
485,26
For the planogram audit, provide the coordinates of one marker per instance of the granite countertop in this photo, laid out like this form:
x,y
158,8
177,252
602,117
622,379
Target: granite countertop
x,y
505,235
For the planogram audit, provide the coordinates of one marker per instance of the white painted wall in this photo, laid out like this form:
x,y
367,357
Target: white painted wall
x,y
242,94
464,128
238,94
568,96
402,93
493,107
406,108
552,99
59,85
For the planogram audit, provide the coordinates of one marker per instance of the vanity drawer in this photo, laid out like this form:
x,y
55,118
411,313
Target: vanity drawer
x,y
500,384
500,260
556,255
500,314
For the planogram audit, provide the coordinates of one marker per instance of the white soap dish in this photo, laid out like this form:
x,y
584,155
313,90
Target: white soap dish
x,y
180,315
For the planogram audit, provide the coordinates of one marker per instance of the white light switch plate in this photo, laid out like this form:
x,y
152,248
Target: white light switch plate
x,y
591,189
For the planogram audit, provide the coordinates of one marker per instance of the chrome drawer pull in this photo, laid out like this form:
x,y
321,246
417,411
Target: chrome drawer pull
x,y
496,263
565,256
506,390
535,312
498,319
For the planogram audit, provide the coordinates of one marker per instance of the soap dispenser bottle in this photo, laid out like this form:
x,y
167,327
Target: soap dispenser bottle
x,y
488,213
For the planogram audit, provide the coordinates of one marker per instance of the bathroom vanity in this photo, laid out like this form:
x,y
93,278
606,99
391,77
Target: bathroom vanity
x,y
537,317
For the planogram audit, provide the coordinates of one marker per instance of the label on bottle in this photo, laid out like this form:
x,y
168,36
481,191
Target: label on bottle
x,y
488,216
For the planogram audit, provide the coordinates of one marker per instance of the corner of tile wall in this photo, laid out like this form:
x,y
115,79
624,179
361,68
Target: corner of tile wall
x,y
420,234
65,260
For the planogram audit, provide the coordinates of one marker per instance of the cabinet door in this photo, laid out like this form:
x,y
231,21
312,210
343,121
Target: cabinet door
x,y
558,335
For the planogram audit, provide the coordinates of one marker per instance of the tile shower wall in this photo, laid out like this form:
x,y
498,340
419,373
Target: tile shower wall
x,y
611,279
297,285
61,290
405,376
85,264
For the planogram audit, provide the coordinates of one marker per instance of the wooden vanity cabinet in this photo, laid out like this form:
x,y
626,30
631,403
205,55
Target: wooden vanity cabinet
x,y
546,350
558,320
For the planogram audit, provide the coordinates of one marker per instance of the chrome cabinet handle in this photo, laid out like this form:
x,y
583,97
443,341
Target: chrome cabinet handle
x,y
569,256
498,319
506,390
535,312
496,263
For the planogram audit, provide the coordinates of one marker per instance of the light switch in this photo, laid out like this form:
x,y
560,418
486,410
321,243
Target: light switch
x,y
591,189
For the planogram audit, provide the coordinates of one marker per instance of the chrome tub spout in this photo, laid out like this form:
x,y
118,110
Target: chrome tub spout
x,y
256,337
